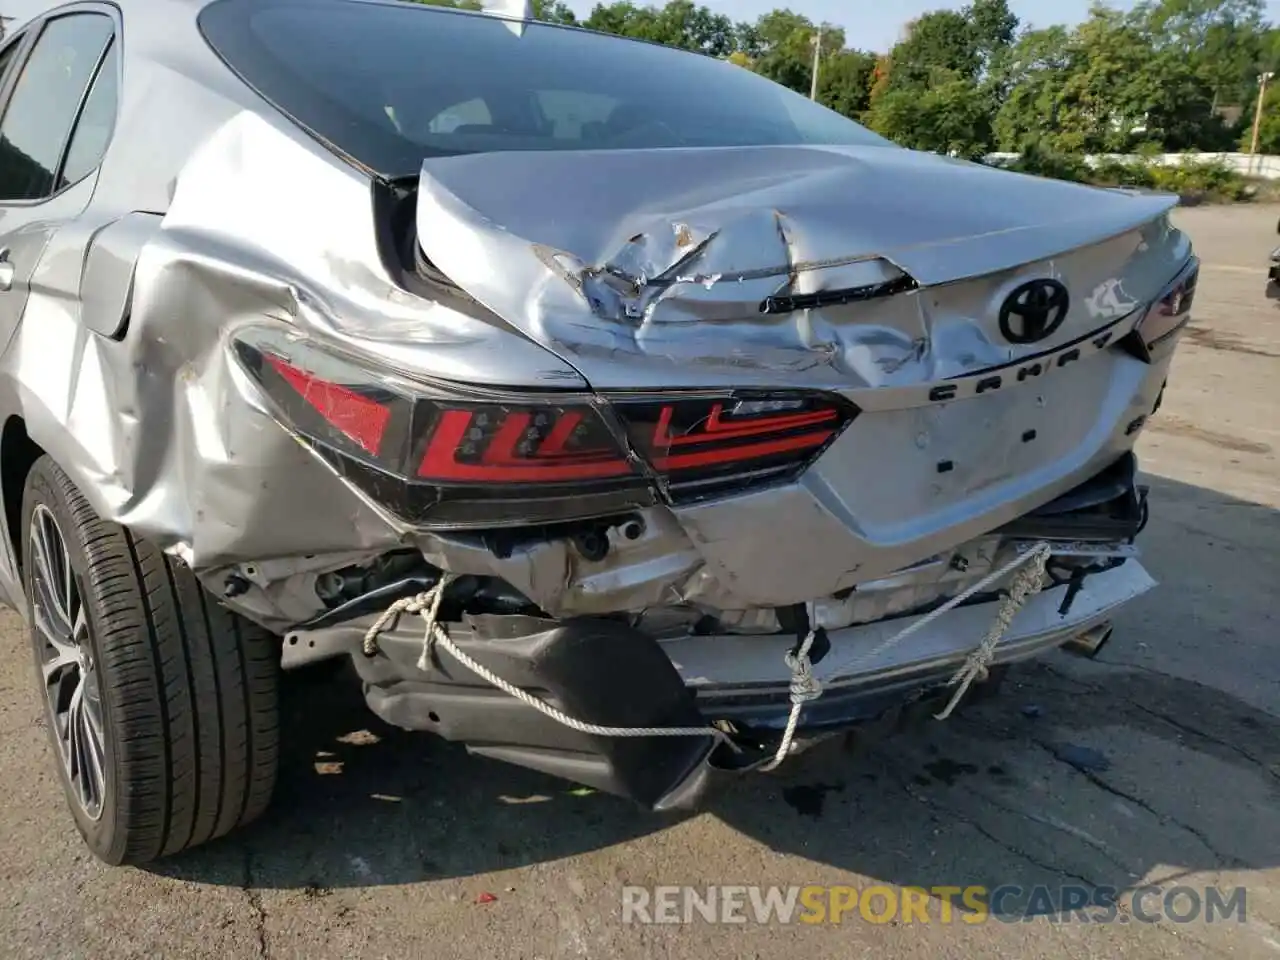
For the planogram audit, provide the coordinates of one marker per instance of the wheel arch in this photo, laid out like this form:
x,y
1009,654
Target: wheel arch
x,y
18,453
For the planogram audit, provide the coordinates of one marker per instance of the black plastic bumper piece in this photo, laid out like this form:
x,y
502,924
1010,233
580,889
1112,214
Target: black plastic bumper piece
x,y
597,671
1109,506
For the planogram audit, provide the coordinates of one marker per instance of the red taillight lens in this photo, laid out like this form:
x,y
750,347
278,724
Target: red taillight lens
x,y
357,417
462,456
715,445
495,444
449,455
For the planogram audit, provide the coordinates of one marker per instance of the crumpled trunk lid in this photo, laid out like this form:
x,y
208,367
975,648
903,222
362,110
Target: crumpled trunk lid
x,y
698,267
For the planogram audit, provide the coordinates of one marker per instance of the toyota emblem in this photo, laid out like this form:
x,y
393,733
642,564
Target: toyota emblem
x,y
1034,311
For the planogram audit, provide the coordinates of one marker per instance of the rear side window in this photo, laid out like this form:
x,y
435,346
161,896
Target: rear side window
x,y
391,83
46,101
95,125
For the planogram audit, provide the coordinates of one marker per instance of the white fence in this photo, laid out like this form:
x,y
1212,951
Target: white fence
x,y
1263,166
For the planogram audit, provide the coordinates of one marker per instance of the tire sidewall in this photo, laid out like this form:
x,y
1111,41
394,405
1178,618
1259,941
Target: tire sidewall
x,y
48,486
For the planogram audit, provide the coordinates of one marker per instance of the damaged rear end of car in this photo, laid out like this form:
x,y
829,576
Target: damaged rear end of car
x,y
692,409
648,551
811,396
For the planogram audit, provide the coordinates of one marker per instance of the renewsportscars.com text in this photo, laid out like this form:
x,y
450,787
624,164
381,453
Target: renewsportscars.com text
x,y
1010,903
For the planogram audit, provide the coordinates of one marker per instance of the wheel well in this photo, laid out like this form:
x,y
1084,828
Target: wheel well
x,y
18,452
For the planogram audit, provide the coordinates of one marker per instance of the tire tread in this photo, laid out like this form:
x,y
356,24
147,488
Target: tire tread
x,y
191,687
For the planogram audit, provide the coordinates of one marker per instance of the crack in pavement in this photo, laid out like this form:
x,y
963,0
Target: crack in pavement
x,y
1196,732
1181,932
1100,783
1053,822
1053,751
254,897
1077,681
1176,724
950,811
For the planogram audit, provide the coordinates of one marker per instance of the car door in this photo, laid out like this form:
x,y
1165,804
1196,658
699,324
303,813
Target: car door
x,y
56,121
58,100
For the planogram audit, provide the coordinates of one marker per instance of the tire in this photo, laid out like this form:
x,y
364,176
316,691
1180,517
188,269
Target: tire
x,y
180,692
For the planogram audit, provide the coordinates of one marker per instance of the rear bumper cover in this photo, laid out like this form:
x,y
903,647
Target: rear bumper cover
x,y
604,672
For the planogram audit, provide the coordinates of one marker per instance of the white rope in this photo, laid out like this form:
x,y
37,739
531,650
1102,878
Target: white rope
x,y
427,606
804,687
1037,556
1025,584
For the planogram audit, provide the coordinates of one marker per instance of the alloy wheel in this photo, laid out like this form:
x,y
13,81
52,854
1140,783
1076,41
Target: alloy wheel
x,y
60,632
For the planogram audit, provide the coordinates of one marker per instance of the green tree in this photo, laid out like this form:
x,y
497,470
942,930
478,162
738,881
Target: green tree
x,y
747,40
953,117
785,48
781,46
456,4
1124,91
993,27
844,82
554,11
680,23
1223,39
1268,54
623,19
1104,87
965,81
1033,75
1268,128
940,47
1108,93
946,76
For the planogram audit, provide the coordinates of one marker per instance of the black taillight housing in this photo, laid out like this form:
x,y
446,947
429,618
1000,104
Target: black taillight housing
x,y
1167,315
703,446
446,455
459,456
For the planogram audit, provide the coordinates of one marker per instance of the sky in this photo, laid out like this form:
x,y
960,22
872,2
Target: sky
x,y
875,24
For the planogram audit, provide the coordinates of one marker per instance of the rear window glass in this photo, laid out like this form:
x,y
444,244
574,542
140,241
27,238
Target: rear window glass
x,y
391,83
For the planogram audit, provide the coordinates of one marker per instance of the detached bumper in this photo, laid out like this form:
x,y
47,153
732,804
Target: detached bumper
x,y
604,672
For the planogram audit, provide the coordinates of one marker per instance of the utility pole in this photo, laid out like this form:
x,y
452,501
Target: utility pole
x,y
817,63
1257,116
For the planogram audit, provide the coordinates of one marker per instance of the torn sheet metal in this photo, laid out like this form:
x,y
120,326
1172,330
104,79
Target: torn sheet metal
x,y
651,267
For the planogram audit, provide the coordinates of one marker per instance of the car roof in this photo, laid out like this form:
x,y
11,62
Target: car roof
x,y
18,13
